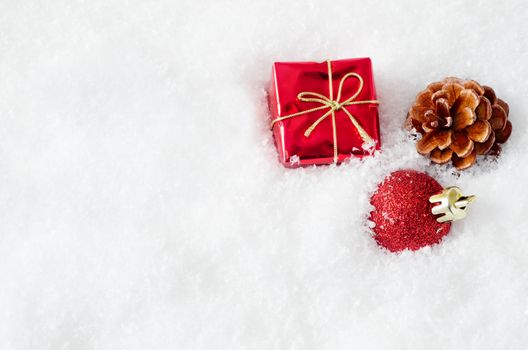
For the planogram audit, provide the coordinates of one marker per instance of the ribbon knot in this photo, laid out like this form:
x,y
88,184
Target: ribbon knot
x,y
333,106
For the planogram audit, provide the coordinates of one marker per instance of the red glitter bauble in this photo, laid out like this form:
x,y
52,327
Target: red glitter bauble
x,y
402,212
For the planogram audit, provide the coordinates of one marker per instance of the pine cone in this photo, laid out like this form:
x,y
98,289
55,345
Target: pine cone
x,y
459,119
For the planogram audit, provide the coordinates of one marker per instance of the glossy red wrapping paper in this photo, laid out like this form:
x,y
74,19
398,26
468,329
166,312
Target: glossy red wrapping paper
x,y
294,147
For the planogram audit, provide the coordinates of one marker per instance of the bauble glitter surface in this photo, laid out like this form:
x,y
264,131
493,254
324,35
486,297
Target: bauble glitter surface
x,y
402,212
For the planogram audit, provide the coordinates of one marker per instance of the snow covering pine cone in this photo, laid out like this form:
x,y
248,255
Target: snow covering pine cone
x,y
458,120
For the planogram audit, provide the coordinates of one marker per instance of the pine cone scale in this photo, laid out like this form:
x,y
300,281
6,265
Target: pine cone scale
x,y
425,98
473,85
466,162
485,147
442,108
427,143
461,144
498,118
489,93
503,135
479,131
483,110
441,157
464,118
504,106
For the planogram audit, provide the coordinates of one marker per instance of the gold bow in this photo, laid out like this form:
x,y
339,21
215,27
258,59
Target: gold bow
x,y
333,105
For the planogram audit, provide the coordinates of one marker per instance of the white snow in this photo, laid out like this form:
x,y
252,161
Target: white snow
x,y
142,205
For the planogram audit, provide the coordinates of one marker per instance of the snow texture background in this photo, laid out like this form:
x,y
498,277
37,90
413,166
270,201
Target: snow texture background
x,y
142,205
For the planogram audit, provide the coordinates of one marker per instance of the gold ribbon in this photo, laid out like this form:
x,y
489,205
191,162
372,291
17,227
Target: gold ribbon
x,y
333,105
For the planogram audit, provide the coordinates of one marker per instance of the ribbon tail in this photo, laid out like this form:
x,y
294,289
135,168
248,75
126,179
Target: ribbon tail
x,y
314,125
334,130
364,135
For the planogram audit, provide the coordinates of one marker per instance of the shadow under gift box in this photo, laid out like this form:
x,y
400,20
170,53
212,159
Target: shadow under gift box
x,y
324,113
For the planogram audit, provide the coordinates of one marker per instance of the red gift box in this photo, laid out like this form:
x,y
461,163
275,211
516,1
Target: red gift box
x,y
324,113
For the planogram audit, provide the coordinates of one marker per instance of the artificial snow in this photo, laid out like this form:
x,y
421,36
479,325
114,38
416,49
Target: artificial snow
x,y
143,205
